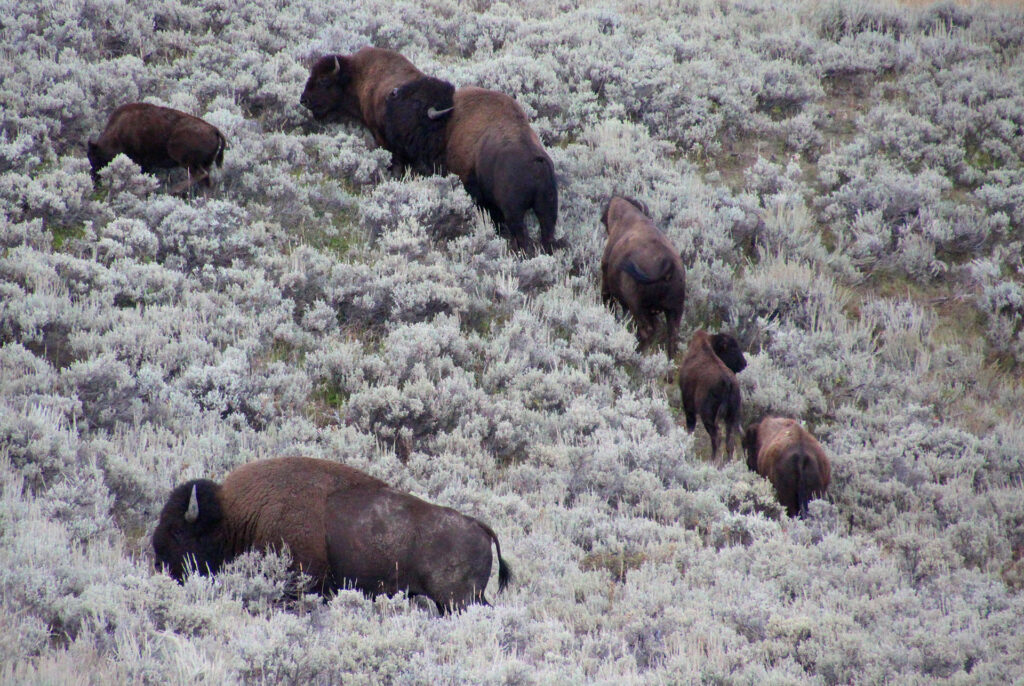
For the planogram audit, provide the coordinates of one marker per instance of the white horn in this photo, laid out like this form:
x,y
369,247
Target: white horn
x,y
192,513
337,66
437,114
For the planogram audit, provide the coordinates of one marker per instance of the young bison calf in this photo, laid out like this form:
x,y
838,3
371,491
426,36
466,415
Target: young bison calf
x,y
787,454
708,385
344,528
642,271
157,137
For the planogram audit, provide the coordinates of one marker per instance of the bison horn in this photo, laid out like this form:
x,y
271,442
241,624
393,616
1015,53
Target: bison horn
x,y
192,513
437,114
337,66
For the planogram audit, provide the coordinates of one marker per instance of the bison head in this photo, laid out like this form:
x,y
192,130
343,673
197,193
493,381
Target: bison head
x,y
97,160
415,118
328,92
729,352
189,533
609,209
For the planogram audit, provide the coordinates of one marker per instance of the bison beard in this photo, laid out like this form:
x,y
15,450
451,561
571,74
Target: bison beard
x,y
343,528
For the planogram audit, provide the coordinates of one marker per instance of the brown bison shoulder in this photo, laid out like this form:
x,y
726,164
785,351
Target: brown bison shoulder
x,y
642,270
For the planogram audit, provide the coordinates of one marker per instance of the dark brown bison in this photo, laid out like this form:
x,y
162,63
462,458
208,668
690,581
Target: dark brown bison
x,y
787,454
480,135
642,271
404,109
344,528
708,385
157,137
500,160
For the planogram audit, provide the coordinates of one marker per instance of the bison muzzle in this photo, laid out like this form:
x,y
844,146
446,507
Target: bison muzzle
x,y
343,528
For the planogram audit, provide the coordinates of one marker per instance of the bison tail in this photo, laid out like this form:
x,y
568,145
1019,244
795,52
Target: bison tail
x,y
545,204
504,571
663,273
806,483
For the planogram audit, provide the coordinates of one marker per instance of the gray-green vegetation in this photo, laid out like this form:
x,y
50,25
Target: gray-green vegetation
x,y
845,182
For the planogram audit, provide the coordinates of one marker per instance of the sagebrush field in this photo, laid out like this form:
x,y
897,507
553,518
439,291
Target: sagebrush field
x,y
845,181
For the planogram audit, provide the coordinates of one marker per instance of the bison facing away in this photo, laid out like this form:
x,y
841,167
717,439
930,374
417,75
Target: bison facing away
x,y
708,385
791,458
501,162
157,137
344,528
642,271
405,110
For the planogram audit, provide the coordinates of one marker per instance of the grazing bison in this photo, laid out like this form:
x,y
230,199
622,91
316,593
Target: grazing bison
x,y
404,109
490,146
642,271
344,528
708,385
480,135
157,137
787,454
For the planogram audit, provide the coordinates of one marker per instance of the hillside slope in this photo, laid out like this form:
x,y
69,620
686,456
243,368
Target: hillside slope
x,y
845,182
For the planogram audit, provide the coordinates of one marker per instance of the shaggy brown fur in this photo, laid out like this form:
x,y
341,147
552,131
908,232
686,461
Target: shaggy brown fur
x,y
642,271
502,164
708,385
157,137
402,107
786,454
344,528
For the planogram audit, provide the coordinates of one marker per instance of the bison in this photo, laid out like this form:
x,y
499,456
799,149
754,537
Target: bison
x,y
708,386
787,454
344,528
642,271
157,137
404,109
502,164
480,135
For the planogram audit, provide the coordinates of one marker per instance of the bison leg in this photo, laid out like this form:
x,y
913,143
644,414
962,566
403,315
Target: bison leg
x,y
646,327
712,428
194,175
520,237
672,320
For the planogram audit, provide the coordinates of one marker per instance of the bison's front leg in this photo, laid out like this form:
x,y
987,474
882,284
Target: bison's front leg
x,y
194,175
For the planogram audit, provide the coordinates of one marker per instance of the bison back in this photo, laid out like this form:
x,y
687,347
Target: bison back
x,y
385,541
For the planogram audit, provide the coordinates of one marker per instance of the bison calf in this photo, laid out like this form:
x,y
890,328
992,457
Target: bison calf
x,y
344,528
787,454
708,385
404,109
642,271
157,137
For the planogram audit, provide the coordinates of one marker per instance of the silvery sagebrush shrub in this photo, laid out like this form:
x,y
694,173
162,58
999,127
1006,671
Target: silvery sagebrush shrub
x,y
828,172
